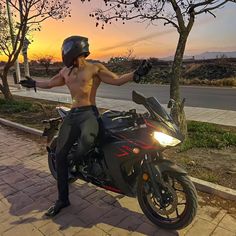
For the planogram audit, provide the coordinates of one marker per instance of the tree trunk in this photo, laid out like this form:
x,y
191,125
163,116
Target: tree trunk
x,y
7,93
177,111
5,87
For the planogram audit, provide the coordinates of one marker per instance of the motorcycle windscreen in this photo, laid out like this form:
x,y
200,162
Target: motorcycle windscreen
x,y
158,109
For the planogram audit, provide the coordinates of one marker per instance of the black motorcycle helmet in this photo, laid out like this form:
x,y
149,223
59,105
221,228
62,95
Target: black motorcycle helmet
x,y
72,48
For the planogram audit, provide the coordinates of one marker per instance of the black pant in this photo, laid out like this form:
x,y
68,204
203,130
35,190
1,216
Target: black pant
x,y
80,125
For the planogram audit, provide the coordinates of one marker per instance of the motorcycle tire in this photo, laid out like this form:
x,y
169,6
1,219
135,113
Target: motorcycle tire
x,y
190,209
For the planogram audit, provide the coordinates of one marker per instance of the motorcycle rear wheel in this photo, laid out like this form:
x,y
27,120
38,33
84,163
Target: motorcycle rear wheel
x,y
150,208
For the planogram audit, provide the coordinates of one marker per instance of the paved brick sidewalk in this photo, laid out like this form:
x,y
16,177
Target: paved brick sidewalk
x,y
27,189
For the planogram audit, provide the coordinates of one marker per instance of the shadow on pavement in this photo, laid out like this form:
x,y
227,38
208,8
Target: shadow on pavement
x,y
29,192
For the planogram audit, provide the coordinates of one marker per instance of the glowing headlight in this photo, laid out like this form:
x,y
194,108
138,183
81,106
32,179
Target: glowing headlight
x,y
166,140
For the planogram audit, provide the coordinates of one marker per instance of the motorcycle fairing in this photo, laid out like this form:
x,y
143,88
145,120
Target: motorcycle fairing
x,y
122,164
123,169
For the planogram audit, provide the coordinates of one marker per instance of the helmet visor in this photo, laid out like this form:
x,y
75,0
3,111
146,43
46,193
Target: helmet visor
x,y
67,47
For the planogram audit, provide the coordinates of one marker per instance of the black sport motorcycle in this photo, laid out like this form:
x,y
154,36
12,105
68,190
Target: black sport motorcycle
x,y
128,159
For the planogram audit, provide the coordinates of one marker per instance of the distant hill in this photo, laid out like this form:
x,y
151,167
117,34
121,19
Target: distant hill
x,y
213,55
205,55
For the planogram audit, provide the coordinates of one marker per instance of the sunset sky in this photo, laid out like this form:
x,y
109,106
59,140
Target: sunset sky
x,y
208,34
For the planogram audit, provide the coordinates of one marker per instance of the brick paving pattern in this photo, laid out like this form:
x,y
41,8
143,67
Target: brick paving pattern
x,y
27,189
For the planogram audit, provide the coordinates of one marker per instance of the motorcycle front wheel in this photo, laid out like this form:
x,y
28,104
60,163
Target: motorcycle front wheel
x,y
180,201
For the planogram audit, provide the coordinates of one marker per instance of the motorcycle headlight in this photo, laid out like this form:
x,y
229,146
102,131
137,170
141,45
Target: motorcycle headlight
x,y
165,139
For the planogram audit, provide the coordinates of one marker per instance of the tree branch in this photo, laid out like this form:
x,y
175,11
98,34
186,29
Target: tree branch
x,y
211,8
51,9
5,48
204,3
14,5
191,21
179,15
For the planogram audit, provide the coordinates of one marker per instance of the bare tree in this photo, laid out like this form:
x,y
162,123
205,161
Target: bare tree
x,y
180,14
4,34
45,61
28,14
129,55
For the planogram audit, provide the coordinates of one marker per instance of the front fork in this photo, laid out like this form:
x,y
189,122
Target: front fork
x,y
155,176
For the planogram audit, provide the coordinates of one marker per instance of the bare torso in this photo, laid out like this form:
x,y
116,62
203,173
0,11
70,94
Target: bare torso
x,y
83,84
83,81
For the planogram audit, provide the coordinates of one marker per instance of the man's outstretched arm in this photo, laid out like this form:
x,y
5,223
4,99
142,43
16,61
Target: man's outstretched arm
x,y
57,80
109,77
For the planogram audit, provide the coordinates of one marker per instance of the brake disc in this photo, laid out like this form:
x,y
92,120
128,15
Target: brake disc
x,y
172,200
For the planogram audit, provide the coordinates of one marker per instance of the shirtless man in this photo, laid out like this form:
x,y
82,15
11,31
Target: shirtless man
x,y
81,124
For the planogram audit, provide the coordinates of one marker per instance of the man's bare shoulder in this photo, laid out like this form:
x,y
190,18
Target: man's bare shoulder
x,y
64,71
100,66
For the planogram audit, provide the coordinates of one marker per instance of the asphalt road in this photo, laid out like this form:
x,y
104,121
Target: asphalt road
x,y
196,96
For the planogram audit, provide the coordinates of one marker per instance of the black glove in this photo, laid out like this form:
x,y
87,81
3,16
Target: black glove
x,y
142,70
28,83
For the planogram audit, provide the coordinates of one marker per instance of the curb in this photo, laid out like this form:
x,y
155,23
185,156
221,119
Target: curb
x,y
201,185
21,127
211,188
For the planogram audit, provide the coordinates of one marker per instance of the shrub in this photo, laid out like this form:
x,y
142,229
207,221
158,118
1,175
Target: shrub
x,y
219,82
229,81
216,82
211,71
195,81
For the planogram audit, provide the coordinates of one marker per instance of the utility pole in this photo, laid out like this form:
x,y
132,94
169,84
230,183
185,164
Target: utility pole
x,y
24,52
17,66
25,45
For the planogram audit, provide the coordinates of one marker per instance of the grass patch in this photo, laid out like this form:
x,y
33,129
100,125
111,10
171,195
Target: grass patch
x,y
209,176
206,135
16,106
28,111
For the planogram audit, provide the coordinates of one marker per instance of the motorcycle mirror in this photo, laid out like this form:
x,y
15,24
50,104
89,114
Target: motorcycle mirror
x,y
171,103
